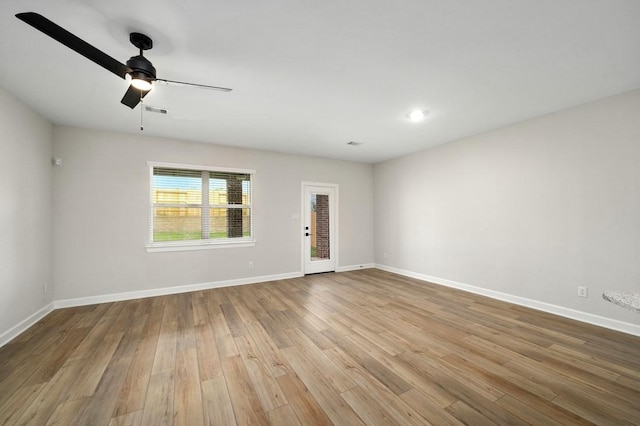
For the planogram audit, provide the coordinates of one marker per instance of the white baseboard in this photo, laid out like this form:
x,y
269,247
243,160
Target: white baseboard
x,y
355,267
609,323
140,294
114,297
19,328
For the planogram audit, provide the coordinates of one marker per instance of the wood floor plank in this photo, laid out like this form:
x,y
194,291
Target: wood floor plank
x,y
185,337
275,332
15,405
233,319
51,395
200,309
500,378
428,408
187,398
246,405
208,359
217,403
609,369
222,335
368,410
604,389
158,406
40,367
132,419
334,375
133,393
468,415
329,399
395,408
263,382
360,347
283,415
381,372
165,358
468,389
307,409
99,408
67,413
93,369
265,348
99,330
530,414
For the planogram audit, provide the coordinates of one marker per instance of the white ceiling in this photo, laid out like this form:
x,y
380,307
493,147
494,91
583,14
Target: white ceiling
x,y
310,76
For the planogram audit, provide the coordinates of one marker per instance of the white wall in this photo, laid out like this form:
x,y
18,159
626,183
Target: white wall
x,y
101,214
25,214
532,210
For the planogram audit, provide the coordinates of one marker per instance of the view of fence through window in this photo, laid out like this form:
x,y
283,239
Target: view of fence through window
x,y
200,204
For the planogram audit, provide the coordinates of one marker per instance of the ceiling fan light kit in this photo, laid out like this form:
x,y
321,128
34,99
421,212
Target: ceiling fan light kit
x,y
139,71
142,71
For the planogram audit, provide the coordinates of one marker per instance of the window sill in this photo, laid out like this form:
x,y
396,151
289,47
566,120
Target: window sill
x,y
197,245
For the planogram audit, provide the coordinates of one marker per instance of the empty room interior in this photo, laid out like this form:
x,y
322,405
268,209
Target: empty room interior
x,y
284,212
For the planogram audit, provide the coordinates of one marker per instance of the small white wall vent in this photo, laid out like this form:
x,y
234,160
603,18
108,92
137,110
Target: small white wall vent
x,y
156,109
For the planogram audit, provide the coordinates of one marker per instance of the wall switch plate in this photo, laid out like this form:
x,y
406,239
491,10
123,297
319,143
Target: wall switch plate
x,y
582,291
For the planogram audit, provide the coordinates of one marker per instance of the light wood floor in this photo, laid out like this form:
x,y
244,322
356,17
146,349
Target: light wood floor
x,y
364,347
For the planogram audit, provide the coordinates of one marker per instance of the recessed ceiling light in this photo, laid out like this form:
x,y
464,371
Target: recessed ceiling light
x,y
417,115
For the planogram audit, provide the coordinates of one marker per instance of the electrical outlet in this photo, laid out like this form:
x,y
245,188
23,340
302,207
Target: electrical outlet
x,y
582,291
250,265
44,287
385,255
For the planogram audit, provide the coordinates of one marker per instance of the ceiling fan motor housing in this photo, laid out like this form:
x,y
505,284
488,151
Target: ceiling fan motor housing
x,y
141,68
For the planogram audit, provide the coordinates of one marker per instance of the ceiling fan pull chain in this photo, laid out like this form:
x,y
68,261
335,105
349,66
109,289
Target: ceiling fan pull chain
x,y
141,112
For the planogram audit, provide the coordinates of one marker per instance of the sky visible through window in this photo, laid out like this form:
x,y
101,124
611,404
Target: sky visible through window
x,y
186,183
176,182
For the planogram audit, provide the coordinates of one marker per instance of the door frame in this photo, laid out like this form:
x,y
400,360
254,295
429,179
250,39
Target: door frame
x,y
335,224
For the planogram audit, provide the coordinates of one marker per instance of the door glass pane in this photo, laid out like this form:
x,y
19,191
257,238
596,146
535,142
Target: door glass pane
x,y
320,244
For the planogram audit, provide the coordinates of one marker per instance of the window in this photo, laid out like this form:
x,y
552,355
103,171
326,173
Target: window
x,y
195,206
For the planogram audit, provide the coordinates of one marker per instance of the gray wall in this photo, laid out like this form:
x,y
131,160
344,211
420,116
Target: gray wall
x,y
25,212
532,210
101,214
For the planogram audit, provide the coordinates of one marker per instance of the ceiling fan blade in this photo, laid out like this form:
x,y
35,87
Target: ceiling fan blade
x,y
201,86
73,42
132,97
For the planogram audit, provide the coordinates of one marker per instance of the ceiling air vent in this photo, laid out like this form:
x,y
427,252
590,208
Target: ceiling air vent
x,y
155,109
354,143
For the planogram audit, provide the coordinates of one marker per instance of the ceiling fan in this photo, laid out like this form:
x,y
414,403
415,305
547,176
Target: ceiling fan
x,y
138,69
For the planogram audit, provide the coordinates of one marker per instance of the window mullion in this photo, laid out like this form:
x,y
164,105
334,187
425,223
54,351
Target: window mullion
x,y
206,220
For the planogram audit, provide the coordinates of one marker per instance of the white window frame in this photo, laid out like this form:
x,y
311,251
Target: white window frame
x,y
162,246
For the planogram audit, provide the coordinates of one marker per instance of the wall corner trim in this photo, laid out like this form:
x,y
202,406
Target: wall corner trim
x,y
522,301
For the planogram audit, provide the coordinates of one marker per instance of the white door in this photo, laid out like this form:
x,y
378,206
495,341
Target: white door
x,y
320,246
